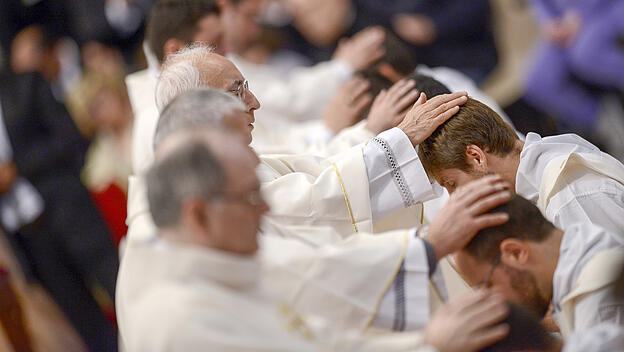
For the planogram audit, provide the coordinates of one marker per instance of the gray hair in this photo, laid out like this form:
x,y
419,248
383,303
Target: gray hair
x,y
196,108
181,73
188,171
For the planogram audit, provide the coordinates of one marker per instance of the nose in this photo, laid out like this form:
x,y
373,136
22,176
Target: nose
x,y
252,102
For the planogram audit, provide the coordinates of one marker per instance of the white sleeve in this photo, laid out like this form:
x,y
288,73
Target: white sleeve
x,y
397,179
405,306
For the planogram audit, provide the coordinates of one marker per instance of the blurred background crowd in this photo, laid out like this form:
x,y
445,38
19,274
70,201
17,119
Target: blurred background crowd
x,y
554,66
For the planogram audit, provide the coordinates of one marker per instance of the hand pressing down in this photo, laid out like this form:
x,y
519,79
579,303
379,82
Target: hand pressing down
x,y
465,214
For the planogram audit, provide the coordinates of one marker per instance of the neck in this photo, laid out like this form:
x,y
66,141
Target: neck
x,y
549,255
507,166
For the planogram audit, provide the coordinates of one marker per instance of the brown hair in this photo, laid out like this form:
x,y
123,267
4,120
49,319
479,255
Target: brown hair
x,y
176,19
474,124
526,222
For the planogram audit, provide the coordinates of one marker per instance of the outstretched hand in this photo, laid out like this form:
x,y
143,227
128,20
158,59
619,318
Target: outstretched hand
x,y
465,214
346,106
426,115
363,49
391,106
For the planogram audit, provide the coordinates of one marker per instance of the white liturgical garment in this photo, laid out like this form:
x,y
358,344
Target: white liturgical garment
x,y
303,95
587,279
347,192
604,337
186,298
572,181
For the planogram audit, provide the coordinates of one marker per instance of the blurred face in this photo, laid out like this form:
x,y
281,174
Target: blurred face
x,y
221,73
240,123
109,110
235,216
239,22
516,285
210,32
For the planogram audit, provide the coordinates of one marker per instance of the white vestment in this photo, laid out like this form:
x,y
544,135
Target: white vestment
x,y
186,298
588,276
303,95
604,337
328,200
571,180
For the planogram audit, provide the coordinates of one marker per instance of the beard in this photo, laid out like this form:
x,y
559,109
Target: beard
x,y
525,285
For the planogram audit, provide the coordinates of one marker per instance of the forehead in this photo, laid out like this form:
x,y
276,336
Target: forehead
x,y
220,72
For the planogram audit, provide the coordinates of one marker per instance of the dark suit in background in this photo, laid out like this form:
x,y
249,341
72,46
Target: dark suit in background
x,y
69,246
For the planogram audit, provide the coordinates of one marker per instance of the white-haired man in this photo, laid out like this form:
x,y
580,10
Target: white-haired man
x,y
210,108
349,191
174,24
201,272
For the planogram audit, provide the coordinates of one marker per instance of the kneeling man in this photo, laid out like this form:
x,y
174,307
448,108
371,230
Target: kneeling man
x,y
567,177
534,263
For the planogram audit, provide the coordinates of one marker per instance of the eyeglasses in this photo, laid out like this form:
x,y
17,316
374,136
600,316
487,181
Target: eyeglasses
x,y
241,90
486,283
253,198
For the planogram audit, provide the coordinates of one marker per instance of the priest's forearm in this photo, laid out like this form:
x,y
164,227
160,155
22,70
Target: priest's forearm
x,y
397,179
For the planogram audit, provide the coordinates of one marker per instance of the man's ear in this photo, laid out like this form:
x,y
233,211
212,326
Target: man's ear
x,y
476,158
386,70
193,213
172,46
514,253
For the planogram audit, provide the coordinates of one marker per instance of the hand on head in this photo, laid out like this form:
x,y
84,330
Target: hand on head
x,y
363,49
468,323
426,115
465,214
346,106
391,106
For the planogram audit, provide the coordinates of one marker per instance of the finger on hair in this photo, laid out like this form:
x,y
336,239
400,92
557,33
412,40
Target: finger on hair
x,y
487,313
490,220
455,103
377,54
380,96
489,336
476,190
407,100
361,102
398,85
360,88
441,118
445,98
487,180
487,203
422,98
403,89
